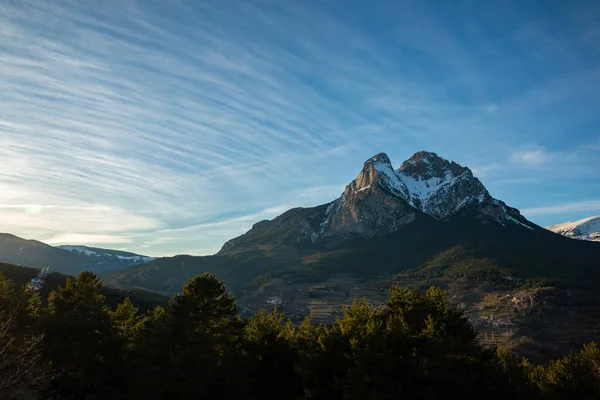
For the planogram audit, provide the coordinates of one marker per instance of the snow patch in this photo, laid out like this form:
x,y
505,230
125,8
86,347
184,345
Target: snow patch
x,y
135,258
516,221
80,249
90,253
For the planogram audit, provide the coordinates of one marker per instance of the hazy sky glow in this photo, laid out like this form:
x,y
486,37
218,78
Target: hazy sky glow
x,y
167,127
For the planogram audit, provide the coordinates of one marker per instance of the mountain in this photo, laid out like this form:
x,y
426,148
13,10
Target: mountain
x,y
381,200
64,259
430,218
584,229
428,222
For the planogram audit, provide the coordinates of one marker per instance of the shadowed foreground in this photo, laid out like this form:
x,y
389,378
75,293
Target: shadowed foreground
x,y
416,346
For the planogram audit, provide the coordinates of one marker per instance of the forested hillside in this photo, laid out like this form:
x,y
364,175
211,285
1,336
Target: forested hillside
x,y
20,276
415,346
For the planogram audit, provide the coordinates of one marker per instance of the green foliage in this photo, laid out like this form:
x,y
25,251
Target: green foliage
x,y
128,323
192,346
6,289
270,345
417,347
79,338
575,376
429,316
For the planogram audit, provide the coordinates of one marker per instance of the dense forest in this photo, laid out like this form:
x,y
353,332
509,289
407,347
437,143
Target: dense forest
x,y
73,346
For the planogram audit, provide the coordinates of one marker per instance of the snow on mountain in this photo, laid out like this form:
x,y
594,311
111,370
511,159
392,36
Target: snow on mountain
x,y
102,255
584,229
80,249
438,187
136,258
427,182
382,200
68,260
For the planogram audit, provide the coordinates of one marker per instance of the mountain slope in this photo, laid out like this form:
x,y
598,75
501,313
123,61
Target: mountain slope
x,y
584,229
466,248
428,218
65,259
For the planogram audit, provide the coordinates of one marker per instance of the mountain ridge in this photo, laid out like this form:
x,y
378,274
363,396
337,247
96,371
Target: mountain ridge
x,y
584,229
66,259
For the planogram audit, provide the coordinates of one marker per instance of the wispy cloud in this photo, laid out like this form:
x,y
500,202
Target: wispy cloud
x,y
482,171
534,156
166,129
562,209
78,238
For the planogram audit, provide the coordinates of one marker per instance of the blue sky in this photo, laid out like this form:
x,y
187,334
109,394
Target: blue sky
x,y
168,127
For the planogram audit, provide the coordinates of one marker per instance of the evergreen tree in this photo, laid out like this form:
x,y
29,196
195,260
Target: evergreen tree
x,y
446,358
270,343
314,366
79,340
195,344
128,323
417,346
516,371
575,376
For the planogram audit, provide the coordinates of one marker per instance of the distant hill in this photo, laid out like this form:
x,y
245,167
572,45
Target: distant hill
x,y
69,260
584,229
143,299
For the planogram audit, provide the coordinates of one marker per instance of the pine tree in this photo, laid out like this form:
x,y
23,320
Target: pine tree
x,y
80,341
192,349
128,323
575,376
271,346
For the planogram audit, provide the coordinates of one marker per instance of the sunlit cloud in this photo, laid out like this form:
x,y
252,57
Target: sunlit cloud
x,y
84,239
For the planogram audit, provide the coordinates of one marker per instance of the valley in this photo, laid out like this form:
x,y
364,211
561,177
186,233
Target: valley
x,y
430,222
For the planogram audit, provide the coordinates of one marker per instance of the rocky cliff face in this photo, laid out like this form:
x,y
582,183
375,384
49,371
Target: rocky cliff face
x,y
373,203
382,199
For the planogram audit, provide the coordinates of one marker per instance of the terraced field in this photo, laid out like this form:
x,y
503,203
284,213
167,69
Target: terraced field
x,y
515,318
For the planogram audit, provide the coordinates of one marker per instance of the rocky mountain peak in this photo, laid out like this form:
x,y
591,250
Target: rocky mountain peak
x,y
426,182
381,200
427,165
380,158
377,173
